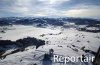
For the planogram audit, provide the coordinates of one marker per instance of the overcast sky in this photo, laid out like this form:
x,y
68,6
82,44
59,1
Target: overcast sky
x,y
50,8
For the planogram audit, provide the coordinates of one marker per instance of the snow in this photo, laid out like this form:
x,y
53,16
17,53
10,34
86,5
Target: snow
x,y
61,43
22,31
92,28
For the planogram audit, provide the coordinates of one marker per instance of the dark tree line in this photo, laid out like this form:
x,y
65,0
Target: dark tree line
x,y
25,42
19,44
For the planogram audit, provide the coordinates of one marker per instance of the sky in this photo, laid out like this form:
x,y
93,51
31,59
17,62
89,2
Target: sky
x,y
50,8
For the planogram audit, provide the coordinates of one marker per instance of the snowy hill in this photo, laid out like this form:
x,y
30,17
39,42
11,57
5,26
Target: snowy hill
x,y
64,41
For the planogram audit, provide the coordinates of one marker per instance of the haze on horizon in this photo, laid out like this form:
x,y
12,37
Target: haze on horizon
x,y
50,8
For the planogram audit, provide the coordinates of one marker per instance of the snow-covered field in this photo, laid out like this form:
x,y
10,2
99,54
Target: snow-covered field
x,y
64,41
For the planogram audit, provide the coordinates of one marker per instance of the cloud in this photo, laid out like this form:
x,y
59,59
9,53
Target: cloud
x,y
53,2
50,8
90,11
83,13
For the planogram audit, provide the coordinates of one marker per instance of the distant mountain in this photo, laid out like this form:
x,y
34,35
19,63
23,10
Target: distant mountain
x,y
3,22
51,21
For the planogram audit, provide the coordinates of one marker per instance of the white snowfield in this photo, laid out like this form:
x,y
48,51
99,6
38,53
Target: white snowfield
x,y
66,42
